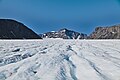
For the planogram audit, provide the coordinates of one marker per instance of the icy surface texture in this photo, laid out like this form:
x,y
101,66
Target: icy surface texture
x,y
58,59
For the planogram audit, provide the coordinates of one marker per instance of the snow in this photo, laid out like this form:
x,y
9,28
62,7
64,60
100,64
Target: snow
x,y
113,32
59,59
52,31
44,34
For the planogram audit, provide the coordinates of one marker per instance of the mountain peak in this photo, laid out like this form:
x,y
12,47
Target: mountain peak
x,y
65,34
63,29
11,29
111,32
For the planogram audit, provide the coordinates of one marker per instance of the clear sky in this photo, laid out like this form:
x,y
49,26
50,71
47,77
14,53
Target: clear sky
x,y
50,15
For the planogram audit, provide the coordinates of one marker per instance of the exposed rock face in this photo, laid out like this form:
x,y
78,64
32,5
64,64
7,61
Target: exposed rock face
x,y
11,29
65,34
112,32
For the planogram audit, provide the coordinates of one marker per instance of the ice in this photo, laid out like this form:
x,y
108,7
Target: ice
x,y
59,59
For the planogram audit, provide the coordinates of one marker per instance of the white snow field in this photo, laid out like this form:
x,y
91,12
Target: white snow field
x,y
58,59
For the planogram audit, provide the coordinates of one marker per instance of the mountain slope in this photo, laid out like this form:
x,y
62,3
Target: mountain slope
x,y
58,59
11,29
65,34
112,32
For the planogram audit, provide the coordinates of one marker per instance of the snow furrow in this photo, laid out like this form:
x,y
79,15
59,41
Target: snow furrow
x,y
58,59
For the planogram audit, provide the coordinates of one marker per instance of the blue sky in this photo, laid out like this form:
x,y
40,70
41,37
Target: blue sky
x,y
50,15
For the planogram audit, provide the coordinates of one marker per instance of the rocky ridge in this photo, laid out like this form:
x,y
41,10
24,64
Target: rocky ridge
x,y
65,34
112,32
11,29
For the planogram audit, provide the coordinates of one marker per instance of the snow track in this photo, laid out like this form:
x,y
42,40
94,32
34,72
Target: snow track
x,y
58,59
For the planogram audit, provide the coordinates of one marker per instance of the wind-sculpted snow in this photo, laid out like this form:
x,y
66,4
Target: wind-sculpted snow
x,y
58,59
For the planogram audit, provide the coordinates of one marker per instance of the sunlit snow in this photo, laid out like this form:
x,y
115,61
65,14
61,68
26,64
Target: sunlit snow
x,y
58,59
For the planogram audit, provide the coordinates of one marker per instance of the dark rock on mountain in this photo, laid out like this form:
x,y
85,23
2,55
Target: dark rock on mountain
x,y
11,29
65,34
112,32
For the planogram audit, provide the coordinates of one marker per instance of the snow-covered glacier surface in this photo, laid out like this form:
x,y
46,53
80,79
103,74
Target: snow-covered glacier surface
x,y
58,59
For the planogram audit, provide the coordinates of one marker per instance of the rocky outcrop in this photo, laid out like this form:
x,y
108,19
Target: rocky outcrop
x,y
11,29
112,32
65,34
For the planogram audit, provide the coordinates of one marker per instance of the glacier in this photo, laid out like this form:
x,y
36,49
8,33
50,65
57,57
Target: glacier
x,y
59,59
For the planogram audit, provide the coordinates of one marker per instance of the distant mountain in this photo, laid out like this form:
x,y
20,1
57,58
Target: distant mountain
x,y
112,32
65,34
11,29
